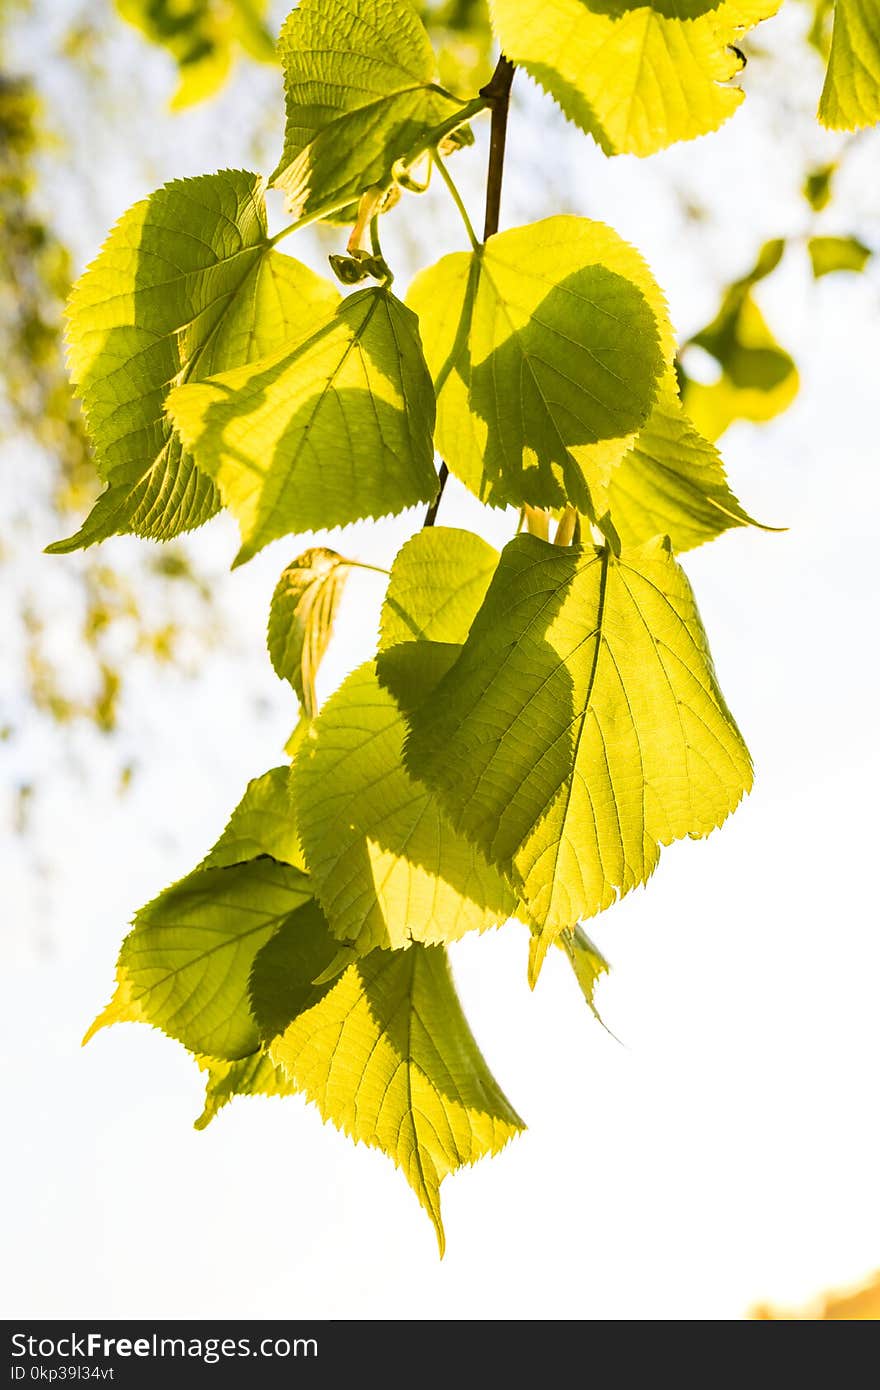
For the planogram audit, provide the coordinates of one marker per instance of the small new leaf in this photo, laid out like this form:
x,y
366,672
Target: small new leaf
x,y
301,619
581,727
358,76
186,285
388,1057
547,346
336,427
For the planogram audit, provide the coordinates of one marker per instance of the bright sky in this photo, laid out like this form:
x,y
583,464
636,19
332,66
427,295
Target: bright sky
x,y
727,1152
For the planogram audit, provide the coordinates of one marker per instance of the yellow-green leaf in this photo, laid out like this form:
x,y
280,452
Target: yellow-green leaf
x,y
384,864
831,253
202,36
547,347
301,619
359,81
336,427
261,824
256,1075
582,726
637,77
388,1057
851,95
186,285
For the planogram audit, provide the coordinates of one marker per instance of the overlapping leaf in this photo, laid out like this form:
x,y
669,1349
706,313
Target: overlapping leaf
x,y
334,428
851,95
582,726
758,379
301,619
388,1056
637,77
186,285
547,347
255,1075
262,823
386,866
358,77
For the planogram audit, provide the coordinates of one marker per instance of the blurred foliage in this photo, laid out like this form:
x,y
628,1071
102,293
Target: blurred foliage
x,y
861,1303
757,378
202,37
37,409
831,253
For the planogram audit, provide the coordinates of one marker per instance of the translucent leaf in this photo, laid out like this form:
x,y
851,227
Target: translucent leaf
x,y
546,347
336,427
384,864
758,379
185,285
190,952
671,483
851,94
261,824
637,77
202,35
301,619
587,962
284,974
358,76
831,253
582,726
256,1075
388,1056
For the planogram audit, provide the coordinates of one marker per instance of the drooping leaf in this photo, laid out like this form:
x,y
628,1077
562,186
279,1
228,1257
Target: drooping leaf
x,y
637,77
547,347
301,619
851,95
262,824
671,483
384,864
336,427
256,1075
831,253
388,1056
758,379
582,726
587,962
189,954
358,76
186,285
202,36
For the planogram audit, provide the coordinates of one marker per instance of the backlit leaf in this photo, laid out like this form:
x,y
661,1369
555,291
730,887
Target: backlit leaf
x,y
256,1075
335,428
202,36
831,253
186,285
301,619
261,824
851,95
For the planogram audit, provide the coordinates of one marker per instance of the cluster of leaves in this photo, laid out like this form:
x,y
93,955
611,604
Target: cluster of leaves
x,y
535,725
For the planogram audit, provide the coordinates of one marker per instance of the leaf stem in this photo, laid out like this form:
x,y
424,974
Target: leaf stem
x,y
326,210
457,199
496,95
362,565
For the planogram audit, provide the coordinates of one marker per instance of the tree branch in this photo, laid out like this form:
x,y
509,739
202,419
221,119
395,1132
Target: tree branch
x,y
497,95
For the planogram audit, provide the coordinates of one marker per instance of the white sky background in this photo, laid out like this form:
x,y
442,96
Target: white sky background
x,y
728,1151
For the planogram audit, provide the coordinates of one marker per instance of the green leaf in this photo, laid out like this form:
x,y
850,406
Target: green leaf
x,y
831,253
587,962
202,36
547,347
818,185
186,285
582,726
358,76
301,619
283,978
336,427
438,581
671,483
637,77
758,379
851,95
388,1057
385,866
262,824
255,1075
190,952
